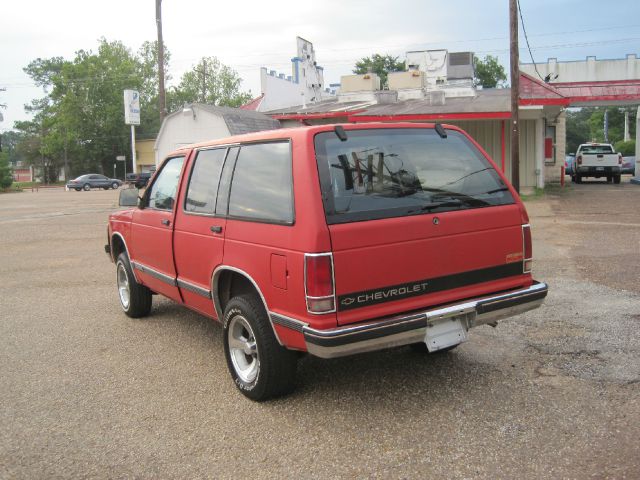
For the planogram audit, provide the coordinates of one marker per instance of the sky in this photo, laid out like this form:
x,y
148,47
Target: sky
x,y
248,34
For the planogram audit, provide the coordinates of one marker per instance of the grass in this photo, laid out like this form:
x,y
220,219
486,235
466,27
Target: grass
x,y
20,186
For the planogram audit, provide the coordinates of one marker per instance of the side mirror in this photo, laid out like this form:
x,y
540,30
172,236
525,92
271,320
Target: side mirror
x,y
128,197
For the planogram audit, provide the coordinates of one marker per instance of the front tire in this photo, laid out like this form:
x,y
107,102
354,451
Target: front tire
x,y
115,185
135,299
86,187
260,367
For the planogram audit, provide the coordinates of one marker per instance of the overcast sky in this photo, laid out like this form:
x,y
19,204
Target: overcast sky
x,y
248,34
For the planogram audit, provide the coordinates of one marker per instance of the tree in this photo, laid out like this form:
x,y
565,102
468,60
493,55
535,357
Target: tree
x,y
489,73
587,124
209,82
6,177
381,65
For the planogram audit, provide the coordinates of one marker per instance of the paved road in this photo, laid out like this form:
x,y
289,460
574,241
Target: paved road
x,y
86,392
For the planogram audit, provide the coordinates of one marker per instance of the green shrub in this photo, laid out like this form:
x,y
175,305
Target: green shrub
x,y
627,149
6,177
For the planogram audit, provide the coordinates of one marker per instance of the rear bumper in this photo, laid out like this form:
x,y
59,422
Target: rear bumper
x,y
588,170
407,329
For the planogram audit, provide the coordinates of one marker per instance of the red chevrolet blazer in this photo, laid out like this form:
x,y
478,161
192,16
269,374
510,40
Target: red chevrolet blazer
x,y
331,240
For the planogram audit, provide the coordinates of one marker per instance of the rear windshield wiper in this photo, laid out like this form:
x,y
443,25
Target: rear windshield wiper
x,y
432,206
466,199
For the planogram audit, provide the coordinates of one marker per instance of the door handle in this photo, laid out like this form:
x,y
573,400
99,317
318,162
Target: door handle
x,y
216,229
166,222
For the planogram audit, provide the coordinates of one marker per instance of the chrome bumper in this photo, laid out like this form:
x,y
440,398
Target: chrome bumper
x,y
407,329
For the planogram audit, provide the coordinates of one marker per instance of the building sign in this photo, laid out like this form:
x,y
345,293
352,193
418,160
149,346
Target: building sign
x,y
131,107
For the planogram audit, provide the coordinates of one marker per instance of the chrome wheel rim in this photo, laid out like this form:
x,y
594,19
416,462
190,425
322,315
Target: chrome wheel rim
x,y
243,349
123,286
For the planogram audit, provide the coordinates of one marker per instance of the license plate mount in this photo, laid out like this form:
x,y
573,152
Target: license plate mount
x,y
445,333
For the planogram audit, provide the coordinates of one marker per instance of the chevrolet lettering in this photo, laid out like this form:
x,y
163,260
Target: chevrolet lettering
x,y
327,240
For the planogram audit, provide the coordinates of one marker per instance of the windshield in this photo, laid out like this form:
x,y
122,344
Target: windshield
x,y
383,173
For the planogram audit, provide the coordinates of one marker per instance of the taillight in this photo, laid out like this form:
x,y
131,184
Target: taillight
x,y
527,248
318,283
579,160
619,159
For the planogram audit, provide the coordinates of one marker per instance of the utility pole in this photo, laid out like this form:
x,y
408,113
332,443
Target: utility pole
x,y
204,81
161,93
515,89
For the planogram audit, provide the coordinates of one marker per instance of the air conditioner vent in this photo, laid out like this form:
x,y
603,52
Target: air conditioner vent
x,y
460,65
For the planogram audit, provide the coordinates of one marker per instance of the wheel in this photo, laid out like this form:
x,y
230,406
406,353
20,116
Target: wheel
x,y
134,298
422,348
105,188
115,185
578,178
259,366
78,189
573,178
616,178
86,187
609,178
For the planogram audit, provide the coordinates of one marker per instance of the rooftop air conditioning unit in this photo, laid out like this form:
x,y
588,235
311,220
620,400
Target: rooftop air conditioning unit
x,y
460,65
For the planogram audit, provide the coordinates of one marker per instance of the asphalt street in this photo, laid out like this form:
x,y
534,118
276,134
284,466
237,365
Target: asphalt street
x,y
86,392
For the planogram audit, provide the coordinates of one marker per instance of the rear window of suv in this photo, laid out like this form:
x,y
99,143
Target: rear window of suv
x,y
383,173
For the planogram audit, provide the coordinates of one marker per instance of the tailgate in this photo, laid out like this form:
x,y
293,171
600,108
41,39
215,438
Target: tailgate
x,y
395,265
600,160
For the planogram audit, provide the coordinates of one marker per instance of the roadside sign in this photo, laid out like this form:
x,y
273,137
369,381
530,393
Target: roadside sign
x,y
131,107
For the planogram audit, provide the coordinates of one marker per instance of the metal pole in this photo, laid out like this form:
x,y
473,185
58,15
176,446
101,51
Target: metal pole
x,y
133,150
636,178
515,87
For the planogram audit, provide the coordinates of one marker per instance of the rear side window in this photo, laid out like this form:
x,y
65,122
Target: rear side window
x,y
262,186
203,184
382,173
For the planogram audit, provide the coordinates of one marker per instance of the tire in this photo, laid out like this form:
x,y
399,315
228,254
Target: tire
x,y
78,189
609,178
616,178
86,187
115,185
578,178
135,299
422,348
105,188
259,366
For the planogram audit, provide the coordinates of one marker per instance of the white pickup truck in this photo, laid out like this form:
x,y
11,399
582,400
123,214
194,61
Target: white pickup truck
x,y
597,160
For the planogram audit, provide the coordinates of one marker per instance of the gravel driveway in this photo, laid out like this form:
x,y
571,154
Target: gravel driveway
x,y
86,392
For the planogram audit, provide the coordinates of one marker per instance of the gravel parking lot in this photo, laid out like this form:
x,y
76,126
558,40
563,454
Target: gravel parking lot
x,y
86,392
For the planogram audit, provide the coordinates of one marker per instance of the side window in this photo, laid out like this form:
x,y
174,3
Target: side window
x,y
162,195
262,186
203,184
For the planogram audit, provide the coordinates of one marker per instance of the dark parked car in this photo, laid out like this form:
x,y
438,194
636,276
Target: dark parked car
x,y
140,180
629,165
568,164
93,180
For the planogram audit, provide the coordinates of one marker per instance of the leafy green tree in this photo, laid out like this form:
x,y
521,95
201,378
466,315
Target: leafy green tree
x,y
6,177
381,65
489,72
210,82
578,129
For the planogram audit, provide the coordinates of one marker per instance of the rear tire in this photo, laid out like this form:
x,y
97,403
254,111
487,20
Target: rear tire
x,y
78,189
135,299
616,178
260,367
578,178
86,187
115,185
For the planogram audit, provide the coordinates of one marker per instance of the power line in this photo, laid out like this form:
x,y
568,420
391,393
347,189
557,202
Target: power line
x,y
524,30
